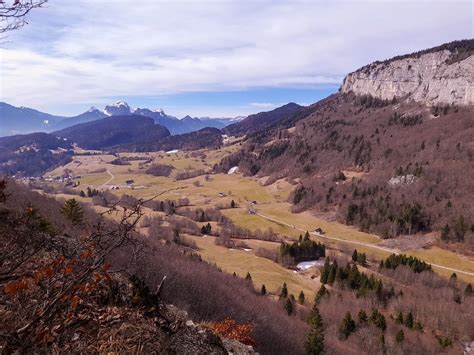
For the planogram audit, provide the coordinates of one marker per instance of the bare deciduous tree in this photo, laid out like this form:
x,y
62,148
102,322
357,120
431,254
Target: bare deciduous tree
x,y
13,13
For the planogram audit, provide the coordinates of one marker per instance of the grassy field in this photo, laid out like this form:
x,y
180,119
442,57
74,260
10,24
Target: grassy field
x,y
263,271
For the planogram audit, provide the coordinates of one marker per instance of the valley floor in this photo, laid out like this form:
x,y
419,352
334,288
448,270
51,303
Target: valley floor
x,y
260,206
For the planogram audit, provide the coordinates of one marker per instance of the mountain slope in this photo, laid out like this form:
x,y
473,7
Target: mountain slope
x,y
263,120
107,132
32,154
391,167
14,120
92,114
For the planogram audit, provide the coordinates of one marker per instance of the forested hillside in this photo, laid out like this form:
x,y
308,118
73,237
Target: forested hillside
x,y
33,154
110,132
389,167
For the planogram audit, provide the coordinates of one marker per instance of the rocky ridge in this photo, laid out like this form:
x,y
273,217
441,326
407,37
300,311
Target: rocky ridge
x,y
434,77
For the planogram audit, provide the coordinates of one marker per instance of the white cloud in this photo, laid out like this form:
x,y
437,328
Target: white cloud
x,y
79,51
266,105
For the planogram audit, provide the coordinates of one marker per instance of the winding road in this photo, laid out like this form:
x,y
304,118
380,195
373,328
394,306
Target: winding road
x,y
368,245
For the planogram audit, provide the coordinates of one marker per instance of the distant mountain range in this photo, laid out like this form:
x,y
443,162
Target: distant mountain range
x,y
16,120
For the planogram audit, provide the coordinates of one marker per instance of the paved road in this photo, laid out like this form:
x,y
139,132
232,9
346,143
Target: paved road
x,y
368,245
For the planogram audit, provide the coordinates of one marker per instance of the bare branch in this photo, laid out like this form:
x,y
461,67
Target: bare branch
x,y
13,13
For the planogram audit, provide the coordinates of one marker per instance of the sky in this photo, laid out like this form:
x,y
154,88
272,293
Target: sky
x,y
211,58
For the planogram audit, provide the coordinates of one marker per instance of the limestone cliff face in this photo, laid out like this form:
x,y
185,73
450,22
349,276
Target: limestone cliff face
x,y
431,78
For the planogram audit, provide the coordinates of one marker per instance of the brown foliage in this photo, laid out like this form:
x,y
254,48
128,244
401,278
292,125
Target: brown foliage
x,y
229,328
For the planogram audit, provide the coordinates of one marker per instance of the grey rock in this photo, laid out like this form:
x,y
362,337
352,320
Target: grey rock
x,y
431,79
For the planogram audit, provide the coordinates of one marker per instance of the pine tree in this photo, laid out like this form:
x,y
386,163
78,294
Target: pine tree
x,y
468,290
176,237
232,204
263,290
248,277
348,326
400,337
315,340
320,294
378,319
288,305
333,270
206,229
306,237
301,297
381,323
399,318
82,194
284,291
445,232
362,317
379,291
300,239
409,320
418,326
362,259
73,211
325,271
355,256
382,343
453,279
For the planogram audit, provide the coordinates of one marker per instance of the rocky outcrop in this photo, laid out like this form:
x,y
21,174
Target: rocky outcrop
x,y
440,77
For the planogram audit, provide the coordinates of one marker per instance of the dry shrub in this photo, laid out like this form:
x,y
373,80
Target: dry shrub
x,y
268,254
160,170
229,328
189,174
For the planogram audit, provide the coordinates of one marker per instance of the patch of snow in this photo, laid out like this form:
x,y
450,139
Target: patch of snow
x,y
174,151
468,347
120,104
247,249
233,170
58,151
305,265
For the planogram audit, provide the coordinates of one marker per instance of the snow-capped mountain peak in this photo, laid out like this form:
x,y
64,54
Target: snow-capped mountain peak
x,y
118,108
121,104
